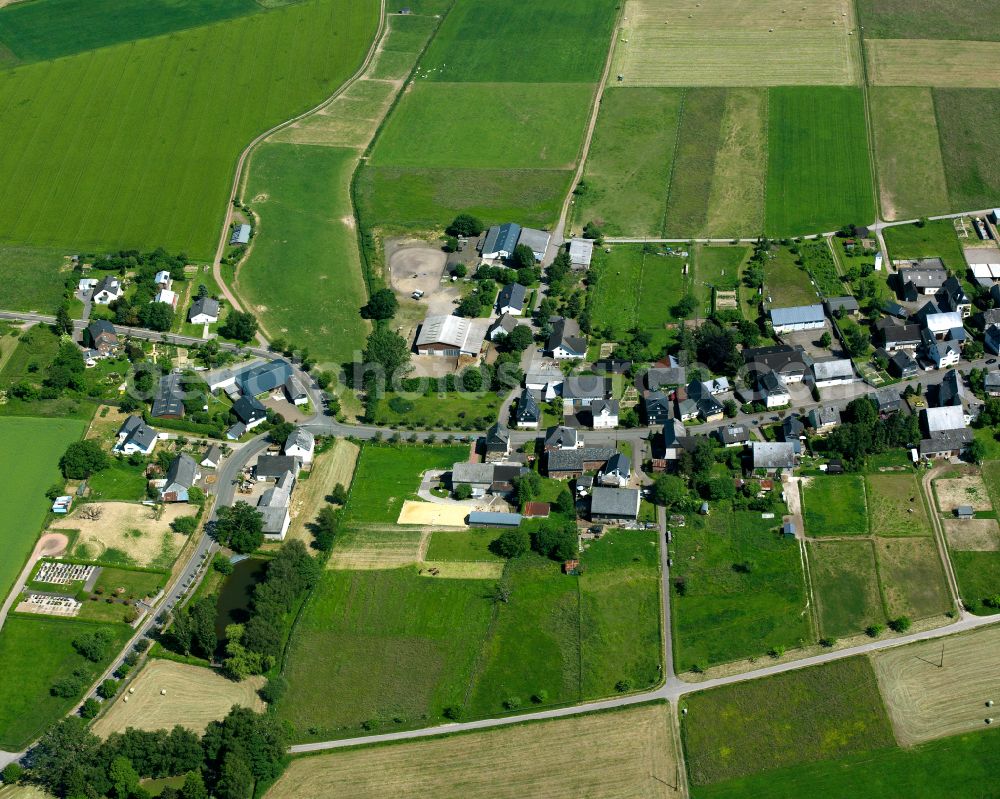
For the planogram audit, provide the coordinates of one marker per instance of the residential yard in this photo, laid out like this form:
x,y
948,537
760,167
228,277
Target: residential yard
x,y
790,719
933,240
846,587
554,759
835,505
818,259
738,589
786,283
717,268
445,410
896,506
120,481
34,654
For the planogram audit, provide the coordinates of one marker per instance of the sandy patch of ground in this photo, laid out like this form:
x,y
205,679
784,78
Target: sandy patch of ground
x,y
462,570
194,697
432,513
966,490
415,265
334,466
973,535
937,688
130,527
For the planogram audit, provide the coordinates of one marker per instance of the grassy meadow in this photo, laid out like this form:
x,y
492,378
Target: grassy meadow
x,y
845,582
969,123
31,452
30,279
929,19
913,579
819,177
786,283
978,575
302,196
113,178
835,505
891,498
716,268
934,240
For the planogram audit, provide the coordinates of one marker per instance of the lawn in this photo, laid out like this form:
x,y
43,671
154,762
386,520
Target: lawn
x,y
139,187
978,575
786,283
39,30
628,168
933,240
835,505
716,268
930,19
943,769
444,125
385,476
120,481
787,720
302,197
819,176
560,41
34,654
896,505
30,279
912,576
845,584
447,411
620,613
722,613
430,198
698,141
969,124
31,451
464,545
908,152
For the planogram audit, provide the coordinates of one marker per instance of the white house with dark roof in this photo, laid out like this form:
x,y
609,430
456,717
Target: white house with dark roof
x,y
527,414
182,474
135,437
604,414
300,444
833,372
566,342
511,299
204,311
107,291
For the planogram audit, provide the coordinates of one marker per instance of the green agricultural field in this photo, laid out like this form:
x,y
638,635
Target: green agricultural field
x,y
835,505
943,769
786,283
913,579
35,653
387,475
620,613
156,131
29,458
444,125
978,575
908,152
933,240
819,177
969,123
30,279
430,198
39,30
560,41
891,498
716,268
448,411
722,613
305,253
462,545
845,585
929,19
736,204
787,720
698,141
628,168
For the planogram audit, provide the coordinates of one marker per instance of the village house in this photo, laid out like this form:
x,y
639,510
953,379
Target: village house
x,y
168,403
107,291
616,472
101,337
604,414
823,418
614,504
566,342
845,306
833,372
511,299
300,444
528,415
271,467
658,407
922,279
496,444
545,379
581,252
562,438
669,444
895,336
135,437
273,506
249,411
204,311
946,433
263,378
952,297
213,457
295,392
952,392
991,383
733,435
502,326
562,464
181,476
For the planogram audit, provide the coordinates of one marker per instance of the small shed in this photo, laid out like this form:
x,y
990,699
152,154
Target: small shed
x,y
571,567
536,510
703,510
788,529
964,512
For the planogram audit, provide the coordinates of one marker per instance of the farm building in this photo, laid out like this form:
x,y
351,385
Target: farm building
x,y
536,240
942,325
665,377
547,380
566,341
250,411
846,305
536,510
773,457
511,299
135,437
923,279
264,377
181,476
895,336
479,518
616,472
801,317
984,264
833,372
271,467
203,311
614,504
965,512
497,443
500,241
241,235
273,506
295,392
947,434
448,336
581,252
564,464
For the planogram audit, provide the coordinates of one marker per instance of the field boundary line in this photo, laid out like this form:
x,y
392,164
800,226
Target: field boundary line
x,y
239,178
869,121
673,162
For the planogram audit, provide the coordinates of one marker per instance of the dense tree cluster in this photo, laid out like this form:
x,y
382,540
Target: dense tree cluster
x,y
864,433
82,459
239,527
138,308
239,325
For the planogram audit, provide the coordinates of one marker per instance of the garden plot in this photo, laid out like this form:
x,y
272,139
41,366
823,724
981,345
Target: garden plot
x,y
135,533
938,688
973,535
966,490
751,43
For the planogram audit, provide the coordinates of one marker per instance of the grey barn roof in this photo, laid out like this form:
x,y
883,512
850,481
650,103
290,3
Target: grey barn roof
x,y
615,502
799,315
264,377
502,238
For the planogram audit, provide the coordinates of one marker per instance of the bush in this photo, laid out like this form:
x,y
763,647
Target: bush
x,y
90,708
874,630
400,405
900,625
185,525
222,564
463,491
453,712
512,703
465,225
11,773
274,689
511,543
108,689
541,697
623,686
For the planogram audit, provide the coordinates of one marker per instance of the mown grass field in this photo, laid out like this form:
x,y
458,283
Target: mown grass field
x,y
835,505
686,43
554,759
446,411
978,575
721,614
30,279
845,585
944,769
908,152
790,719
303,277
629,164
929,19
934,240
559,41
464,545
897,62
444,125
114,178
819,177
29,458
35,653
716,268
969,124
913,578
786,283
896,506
